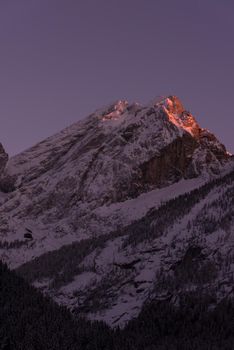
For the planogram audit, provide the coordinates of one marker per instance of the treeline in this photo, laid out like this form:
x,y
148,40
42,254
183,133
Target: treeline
x,y
158,221
13,244
195,324
29,321
60,266
218,214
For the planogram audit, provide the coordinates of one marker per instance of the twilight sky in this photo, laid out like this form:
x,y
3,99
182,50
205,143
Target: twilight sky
x,y
62,59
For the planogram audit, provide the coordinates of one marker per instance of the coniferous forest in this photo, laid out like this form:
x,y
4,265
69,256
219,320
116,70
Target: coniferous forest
x,y
28,320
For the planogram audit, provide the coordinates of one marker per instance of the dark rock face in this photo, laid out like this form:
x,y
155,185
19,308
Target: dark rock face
x,y
209,140
3,159
173,163
6,181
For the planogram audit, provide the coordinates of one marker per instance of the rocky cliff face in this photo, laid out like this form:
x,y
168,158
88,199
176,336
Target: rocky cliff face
x,y
114,155
108,156
174,162
95,184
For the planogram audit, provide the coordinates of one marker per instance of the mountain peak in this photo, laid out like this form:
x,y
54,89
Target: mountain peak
x,y
115,110
173,104
172,108
179,116
121,151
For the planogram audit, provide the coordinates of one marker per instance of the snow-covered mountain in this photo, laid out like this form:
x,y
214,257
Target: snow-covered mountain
x,y
186,244
111,211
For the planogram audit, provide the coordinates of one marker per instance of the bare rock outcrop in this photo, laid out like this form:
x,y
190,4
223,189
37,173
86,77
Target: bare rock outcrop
x,y
3,159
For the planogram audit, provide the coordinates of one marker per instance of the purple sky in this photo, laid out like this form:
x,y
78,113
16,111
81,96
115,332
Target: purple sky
x,y
62,59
